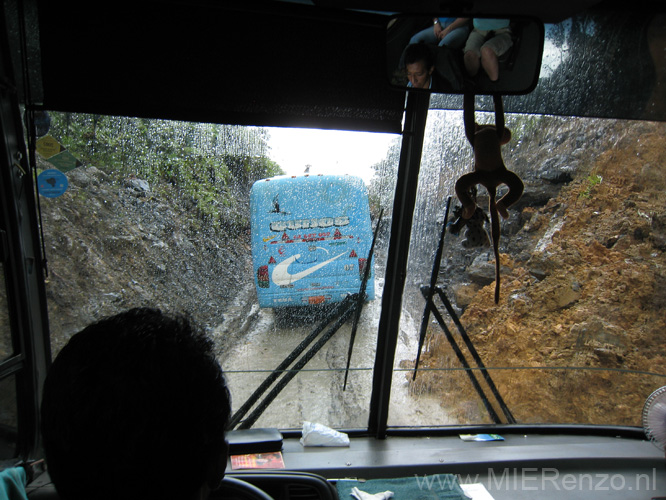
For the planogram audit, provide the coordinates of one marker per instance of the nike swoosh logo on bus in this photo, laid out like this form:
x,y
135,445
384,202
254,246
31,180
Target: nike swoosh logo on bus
x,y
282,276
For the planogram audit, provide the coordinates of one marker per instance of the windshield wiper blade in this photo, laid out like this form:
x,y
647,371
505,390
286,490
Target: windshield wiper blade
x,y
431,290
430,307
346,312
339,310
470,346
361,296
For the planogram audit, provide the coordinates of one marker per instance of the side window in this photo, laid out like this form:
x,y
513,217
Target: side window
x,y
8,417
6,349
8,402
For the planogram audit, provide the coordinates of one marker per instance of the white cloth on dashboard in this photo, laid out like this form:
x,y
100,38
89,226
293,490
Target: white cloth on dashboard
x,y
362,495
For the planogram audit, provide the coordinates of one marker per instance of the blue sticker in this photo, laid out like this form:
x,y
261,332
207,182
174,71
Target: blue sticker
x,y
52,183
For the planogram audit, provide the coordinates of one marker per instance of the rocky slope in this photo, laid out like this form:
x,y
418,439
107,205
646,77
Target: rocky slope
x,y
582,285
112,244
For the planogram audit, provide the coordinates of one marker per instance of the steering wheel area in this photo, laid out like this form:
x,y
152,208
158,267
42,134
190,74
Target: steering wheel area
x,y
232,488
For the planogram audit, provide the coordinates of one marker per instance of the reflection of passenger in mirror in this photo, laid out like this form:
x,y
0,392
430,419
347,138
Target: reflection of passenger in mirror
x,y
489,40
445,32
498,56
420,67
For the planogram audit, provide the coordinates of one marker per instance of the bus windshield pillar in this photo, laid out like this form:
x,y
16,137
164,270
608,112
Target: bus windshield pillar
x,y
416,113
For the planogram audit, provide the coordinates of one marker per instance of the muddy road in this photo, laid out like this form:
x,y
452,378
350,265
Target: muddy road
x,y
257,340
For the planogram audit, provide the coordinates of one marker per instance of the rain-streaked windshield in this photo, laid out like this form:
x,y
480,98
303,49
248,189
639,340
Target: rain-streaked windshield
x,y
140,212
577,334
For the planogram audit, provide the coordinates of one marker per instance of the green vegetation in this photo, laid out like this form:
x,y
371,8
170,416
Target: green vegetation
x,y
592,180
212,166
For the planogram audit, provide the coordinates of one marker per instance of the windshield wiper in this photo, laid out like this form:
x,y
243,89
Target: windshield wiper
x,y
430,307
339,316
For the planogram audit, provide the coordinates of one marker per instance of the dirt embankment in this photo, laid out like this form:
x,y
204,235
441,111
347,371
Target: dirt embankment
x,y
112,244
592,294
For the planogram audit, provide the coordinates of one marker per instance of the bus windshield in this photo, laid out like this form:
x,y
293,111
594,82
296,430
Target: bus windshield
x,y
187,217
577,327
140,212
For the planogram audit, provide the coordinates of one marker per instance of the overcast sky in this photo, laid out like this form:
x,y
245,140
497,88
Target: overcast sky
x,y
328,151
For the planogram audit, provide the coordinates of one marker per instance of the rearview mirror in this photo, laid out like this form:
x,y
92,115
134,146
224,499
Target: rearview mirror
x,y
459,55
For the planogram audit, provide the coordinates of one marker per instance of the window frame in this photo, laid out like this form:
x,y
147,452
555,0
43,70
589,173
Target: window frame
x,y
23,264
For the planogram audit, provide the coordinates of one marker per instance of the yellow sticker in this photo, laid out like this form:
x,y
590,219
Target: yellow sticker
x,y
47,146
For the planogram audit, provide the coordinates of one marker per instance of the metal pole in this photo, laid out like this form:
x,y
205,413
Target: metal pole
x,y
416,114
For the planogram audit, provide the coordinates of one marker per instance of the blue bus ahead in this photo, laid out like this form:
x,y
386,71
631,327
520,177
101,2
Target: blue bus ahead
x,y
311,236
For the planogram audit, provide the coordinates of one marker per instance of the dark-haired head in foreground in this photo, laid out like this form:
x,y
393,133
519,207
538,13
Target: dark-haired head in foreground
x,y
135,407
